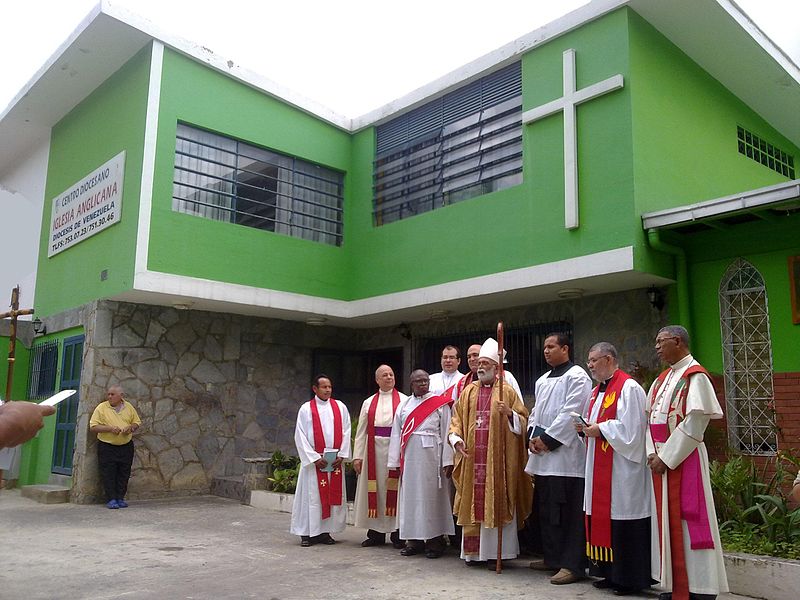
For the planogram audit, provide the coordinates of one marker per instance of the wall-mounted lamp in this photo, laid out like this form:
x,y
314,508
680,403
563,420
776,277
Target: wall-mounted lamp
x,y
39,328
656,297
316,321
404,330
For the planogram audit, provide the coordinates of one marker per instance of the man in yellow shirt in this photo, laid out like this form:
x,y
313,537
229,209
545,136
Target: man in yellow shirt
x,y
115,421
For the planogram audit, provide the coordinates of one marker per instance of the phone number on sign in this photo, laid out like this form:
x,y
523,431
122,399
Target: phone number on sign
x,y
81,232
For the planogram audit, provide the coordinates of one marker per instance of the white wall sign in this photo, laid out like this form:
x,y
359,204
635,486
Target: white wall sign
x,y
87,207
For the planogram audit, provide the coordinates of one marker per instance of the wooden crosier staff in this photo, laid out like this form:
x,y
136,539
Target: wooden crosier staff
x,y
500,466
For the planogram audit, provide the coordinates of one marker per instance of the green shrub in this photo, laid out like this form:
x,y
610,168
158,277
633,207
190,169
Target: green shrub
x,y
284,472
753,512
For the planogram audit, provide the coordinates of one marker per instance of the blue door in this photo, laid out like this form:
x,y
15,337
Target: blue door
x,y
66,417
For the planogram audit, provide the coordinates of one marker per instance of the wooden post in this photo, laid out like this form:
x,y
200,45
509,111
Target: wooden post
x,y
500,467
12,341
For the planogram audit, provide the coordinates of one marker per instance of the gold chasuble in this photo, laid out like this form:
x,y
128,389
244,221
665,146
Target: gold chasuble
x,y
516,489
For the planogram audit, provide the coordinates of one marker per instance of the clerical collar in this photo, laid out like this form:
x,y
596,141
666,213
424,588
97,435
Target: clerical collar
x,y
561,369
318,399
604,384
684,362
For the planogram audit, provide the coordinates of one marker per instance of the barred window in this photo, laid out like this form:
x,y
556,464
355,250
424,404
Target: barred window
x,y
223,179
43,370
747,360
465,144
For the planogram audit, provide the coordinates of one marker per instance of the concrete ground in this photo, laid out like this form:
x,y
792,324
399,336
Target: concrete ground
x,y
210,547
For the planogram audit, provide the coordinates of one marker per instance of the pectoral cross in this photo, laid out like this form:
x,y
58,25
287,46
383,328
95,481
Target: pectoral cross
x,y
479,422
12,338
567,104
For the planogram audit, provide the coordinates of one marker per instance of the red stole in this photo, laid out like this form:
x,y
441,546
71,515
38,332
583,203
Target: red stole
x,y
464,382
483,409
418,416
330,490
372,478
598,534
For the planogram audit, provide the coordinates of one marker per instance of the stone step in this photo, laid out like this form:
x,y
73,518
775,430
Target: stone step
x,y
231,486
46,493
283,503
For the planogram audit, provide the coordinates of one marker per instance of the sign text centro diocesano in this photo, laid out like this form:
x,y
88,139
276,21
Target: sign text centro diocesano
x,y
90,205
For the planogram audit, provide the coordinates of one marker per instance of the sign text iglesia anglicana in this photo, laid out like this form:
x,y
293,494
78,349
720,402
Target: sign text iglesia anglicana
x,y
87,207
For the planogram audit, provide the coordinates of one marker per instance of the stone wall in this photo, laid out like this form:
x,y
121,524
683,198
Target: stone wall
x,y
210,388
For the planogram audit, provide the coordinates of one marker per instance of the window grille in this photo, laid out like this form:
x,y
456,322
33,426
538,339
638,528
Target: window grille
x,y
43,370
223,179
747,360
524,347
465,144
762,152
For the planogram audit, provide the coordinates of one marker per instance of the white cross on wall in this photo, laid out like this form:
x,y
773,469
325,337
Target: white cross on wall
x,y
567,103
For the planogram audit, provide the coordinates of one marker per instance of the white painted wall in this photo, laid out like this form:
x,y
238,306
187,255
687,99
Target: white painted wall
x,y
21,206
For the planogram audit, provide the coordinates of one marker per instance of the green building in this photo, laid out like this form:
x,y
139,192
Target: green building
x,y
210,242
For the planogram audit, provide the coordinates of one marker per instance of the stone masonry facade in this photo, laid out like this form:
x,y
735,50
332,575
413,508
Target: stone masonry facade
x,y
214,388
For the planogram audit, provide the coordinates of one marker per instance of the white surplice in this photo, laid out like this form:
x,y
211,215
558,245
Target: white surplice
x,y
307,509
424,509
705,568
556,398
630,477
383,418
440,382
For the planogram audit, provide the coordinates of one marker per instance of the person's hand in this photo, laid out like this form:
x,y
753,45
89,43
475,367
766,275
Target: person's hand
x,y
537,446
504,409
338,462
115,429
321,463
20,421
593,429
357,463
796,492
461,448
656,464
448,471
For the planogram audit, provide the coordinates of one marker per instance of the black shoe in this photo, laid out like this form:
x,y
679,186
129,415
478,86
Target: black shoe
x,y
305,541
409,551
327,540
602,584
475,563
369,542
397,543
624,591
665,596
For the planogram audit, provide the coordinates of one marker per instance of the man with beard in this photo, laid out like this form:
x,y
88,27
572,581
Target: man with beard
x,y
617,496
487,432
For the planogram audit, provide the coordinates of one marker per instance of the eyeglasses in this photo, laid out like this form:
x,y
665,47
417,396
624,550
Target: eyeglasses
x,y
660,341
593,360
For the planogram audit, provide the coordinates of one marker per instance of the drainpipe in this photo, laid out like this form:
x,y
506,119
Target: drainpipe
x,y
684,316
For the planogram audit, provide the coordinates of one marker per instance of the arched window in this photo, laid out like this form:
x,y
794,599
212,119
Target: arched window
x,y
747,359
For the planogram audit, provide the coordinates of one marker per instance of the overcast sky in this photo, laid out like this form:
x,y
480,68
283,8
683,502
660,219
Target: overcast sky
x,y
349,55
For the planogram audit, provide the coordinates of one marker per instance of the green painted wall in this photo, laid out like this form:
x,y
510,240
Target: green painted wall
x,y
37,454
524,225
684,133
767,246
110,120
19,388
198,247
